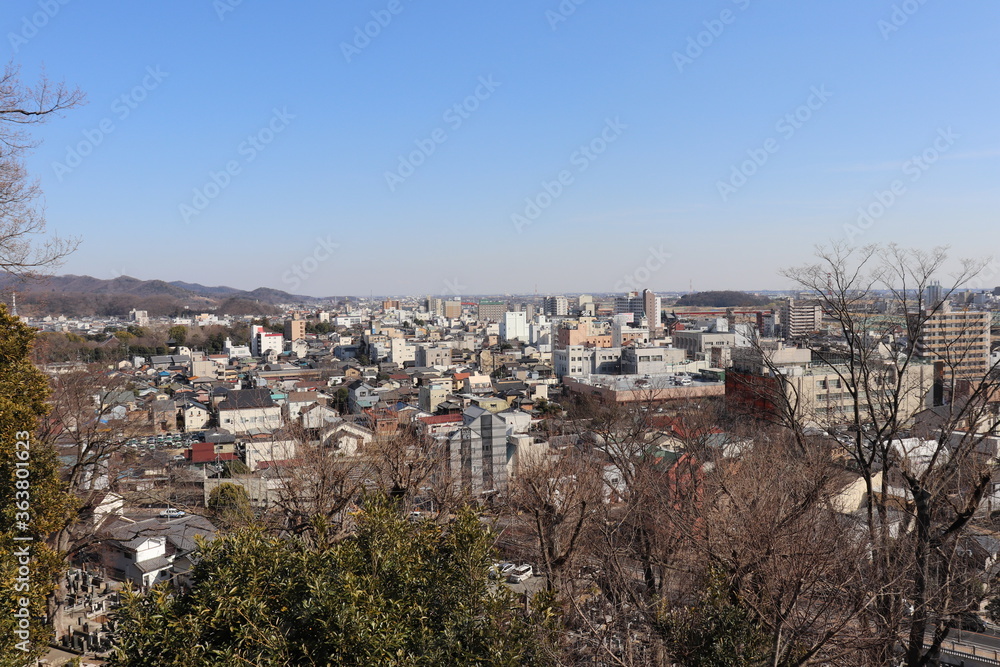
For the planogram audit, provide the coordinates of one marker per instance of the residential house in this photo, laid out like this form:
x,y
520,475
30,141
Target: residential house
x,y
245,409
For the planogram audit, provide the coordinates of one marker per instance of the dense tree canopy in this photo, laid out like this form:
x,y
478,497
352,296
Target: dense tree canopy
x,y
32,501
394,593
722,299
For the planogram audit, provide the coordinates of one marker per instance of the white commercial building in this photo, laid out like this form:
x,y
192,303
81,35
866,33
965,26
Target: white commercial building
x,y
514,326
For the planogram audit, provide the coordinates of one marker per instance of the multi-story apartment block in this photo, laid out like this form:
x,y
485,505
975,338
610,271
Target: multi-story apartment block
x,y
295,329
262,340
477,452
433,355
556,306
453,309
585,332
490,311
800,319
959,340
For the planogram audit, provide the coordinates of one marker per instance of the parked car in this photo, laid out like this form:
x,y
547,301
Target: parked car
x,y
519,574
172,513
501,570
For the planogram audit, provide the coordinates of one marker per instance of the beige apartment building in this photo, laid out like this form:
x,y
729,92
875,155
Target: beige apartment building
x,y
959,340
295,329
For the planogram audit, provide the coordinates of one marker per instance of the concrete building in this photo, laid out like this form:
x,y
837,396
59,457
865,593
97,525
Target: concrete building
x,y
586,331
699,344
627,334
434,306
651,360
514,326
247,409
556,306
490,311
433,355
935,294
959,340
652,309
262,340
577,360
139,317
453,309
799,319
477,452
295,329
432,395
817,390
401,352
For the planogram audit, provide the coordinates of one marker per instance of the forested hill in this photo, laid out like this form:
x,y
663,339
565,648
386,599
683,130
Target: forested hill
x,y
722,299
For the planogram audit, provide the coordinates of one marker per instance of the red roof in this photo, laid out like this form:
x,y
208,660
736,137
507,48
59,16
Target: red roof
x,y
441,419
208,456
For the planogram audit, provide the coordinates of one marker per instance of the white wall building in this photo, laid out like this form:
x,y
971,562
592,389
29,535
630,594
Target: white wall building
x,y
514,326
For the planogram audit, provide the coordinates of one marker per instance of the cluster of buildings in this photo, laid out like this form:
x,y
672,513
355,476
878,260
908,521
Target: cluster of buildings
x,y
478,377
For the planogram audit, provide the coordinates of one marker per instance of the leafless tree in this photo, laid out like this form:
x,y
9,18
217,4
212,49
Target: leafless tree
x,y
875,298
318,489
562,492
88,423
21,219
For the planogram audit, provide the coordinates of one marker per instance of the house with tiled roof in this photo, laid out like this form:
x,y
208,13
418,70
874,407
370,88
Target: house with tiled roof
x,y
245,409
153,551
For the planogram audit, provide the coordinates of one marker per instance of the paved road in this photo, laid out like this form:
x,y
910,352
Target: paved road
x,y
972,649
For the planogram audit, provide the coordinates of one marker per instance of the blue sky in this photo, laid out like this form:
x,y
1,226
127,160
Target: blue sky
x,y
595,145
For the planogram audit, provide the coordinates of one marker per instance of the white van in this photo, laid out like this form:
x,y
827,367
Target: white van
x,y
519,574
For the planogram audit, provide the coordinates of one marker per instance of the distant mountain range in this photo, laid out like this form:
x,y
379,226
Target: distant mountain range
x,y
86,295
